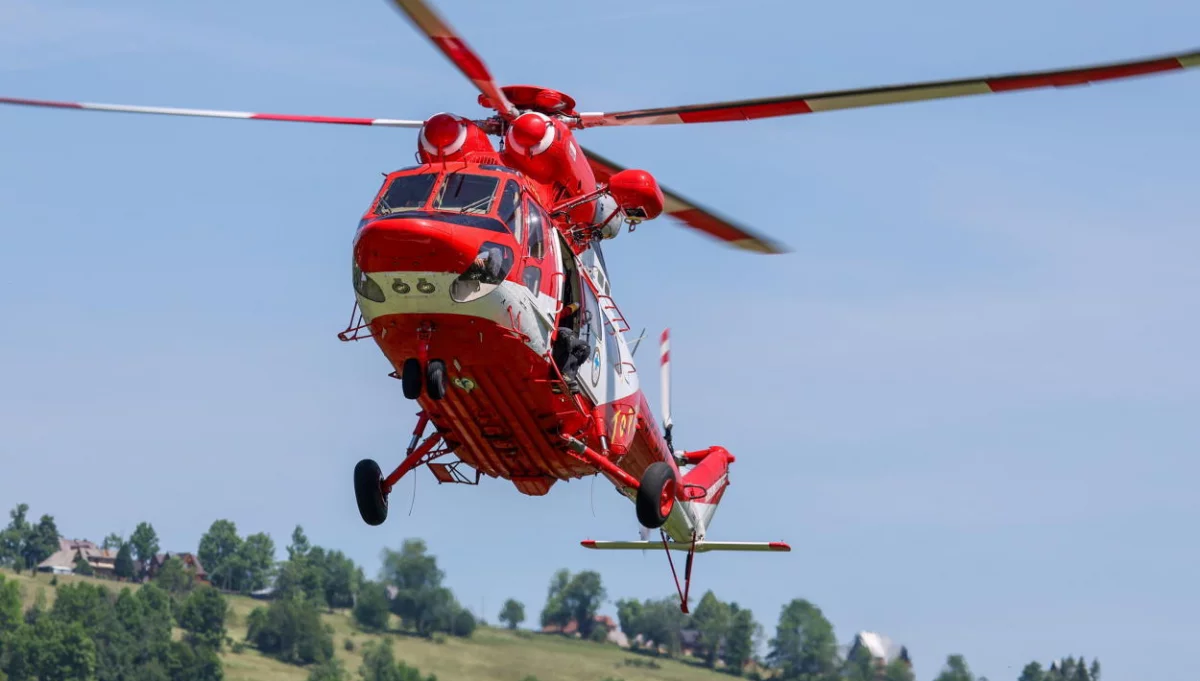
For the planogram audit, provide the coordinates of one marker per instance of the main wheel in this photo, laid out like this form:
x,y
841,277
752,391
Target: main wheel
x,y
435,379
368,491
655,495
411,378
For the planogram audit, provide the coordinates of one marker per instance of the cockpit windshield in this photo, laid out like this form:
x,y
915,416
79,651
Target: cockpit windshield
x,y
467,193
406,193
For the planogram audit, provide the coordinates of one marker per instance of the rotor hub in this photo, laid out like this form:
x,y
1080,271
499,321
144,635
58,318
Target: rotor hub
x,y
535,98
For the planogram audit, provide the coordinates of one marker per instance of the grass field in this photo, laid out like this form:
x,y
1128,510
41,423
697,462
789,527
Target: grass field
x,y
490,655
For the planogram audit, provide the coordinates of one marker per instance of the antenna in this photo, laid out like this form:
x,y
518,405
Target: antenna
x,y
636,343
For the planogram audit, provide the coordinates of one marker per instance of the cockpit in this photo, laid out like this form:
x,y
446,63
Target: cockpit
x,y
489,191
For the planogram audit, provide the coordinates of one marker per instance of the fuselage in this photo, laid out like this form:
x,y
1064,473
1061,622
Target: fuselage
x,y
459,259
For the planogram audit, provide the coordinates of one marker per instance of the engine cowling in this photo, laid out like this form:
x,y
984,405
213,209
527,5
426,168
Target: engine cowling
x,y
637,193
447,137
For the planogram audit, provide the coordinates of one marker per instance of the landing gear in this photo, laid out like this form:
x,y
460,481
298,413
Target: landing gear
x,y
656,495
368,491
421,373
411,377
435,379
371,488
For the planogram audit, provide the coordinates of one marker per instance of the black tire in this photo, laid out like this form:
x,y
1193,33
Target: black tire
x,y
435,379
655,495
368,491
411,377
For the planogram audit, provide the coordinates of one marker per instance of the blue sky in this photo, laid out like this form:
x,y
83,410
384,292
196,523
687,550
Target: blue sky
x,y
967,398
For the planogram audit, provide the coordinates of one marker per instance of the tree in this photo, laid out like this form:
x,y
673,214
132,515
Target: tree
x,y
371,610
341,578
329,670
1094,672
218,553
144,542
860,665
299,547
41,542
555,612
657,622
113,541
10,605
575,598
1032,672
12,539
583,597
82,567
956,669
898,670
379,664
175,577
804,647
51,650
291,631
123,565
739,646
513,613
203,617
421,602
712,620
257,554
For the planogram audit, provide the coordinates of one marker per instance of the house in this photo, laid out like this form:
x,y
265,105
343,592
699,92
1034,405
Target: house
x,y
190,562
613,633
882,649
70,551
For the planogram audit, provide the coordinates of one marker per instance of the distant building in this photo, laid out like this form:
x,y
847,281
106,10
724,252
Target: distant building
x,y
613,632
190,562
70,551
882,649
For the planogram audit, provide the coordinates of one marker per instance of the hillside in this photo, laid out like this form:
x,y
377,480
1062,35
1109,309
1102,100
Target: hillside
x,y
489,655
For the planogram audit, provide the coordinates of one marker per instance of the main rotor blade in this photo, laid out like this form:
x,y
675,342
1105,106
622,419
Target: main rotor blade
x,y
208,113
693,215
457,50
749,109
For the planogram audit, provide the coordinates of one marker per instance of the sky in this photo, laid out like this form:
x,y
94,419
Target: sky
x,y
967,397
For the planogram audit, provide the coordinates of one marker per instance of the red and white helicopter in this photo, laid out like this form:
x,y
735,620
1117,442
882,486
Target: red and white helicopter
x,y
479,273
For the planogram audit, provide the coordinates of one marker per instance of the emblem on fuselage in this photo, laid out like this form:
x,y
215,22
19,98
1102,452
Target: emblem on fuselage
x,y
596,364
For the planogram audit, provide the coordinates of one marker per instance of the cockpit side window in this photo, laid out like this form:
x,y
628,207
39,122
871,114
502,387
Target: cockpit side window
x,y
467,193
405,193
510,208
538,223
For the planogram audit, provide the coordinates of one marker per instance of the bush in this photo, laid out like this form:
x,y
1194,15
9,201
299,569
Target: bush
x,y
371,608
598,635
291,631
463,624
348,645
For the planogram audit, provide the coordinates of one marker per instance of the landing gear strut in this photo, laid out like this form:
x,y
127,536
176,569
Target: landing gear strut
x,y
371,489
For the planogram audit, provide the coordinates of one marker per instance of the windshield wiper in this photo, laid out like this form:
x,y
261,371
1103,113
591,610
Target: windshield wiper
x,y
476,204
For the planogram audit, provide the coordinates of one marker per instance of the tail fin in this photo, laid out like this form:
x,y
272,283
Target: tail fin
x,y
665,379
705,484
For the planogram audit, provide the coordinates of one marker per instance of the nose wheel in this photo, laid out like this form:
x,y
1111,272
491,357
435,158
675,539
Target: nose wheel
x,y
430,379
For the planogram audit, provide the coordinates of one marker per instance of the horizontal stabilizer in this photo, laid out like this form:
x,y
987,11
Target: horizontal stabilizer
x,y
701,546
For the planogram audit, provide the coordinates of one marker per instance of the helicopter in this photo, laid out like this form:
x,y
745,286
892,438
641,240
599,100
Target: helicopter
x,y
479,273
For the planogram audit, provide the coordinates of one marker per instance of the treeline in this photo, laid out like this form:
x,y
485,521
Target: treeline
x,y
94,632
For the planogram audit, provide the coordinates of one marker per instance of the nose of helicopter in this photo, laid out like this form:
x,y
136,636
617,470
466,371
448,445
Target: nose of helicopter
x,y
412,244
